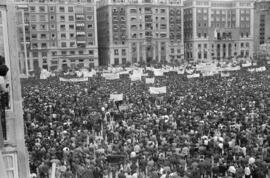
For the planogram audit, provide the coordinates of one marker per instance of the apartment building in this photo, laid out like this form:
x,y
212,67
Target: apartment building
x,y
261,25
132,31
62,34
14,160
218,29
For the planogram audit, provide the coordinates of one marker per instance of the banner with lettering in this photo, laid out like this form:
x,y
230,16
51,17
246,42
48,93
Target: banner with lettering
x,y
149,80
73,79
111,76
225,74
116,97
158,90
193,76
158,72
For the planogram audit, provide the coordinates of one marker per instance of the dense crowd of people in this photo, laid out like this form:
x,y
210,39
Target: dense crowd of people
x,y
207,126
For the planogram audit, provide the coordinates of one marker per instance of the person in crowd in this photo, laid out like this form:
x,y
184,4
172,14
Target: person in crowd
x,y
210,127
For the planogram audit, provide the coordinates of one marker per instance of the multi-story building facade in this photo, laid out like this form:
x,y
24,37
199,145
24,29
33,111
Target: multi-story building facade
x,y
63,33
14,160
23,32
218,29
261,24
140,30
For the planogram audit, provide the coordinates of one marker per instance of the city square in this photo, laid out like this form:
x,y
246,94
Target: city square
x,y
134,88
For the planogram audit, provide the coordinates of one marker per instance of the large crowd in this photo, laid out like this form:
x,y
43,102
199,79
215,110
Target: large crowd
x,y
207,126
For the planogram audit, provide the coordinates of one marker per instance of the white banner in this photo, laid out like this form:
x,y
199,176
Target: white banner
x,y
193,76
116,97
149,80
135,77
208,73
110,76
44,74
247,65
158,72
236,68
158,90
223,74
123,107
259,69
73,79
181,72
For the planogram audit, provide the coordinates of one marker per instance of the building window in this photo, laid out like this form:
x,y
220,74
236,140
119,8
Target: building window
x,y
123,52
43,36
71,18
72,44
71,35
32,8
62,18
81,52
63,36
162,10
35,54
199,55
42,18
116,61
71,27
72,52
52,26
52,17
70,9
124,60
54,53
44,54
51,8
63,44
62,9
34,36
116,52
43,45
91,43
90,35
41,8
33,18
42,27
172,50
91,52
62,27
64,53
205,55
90,26
34,27
89,18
